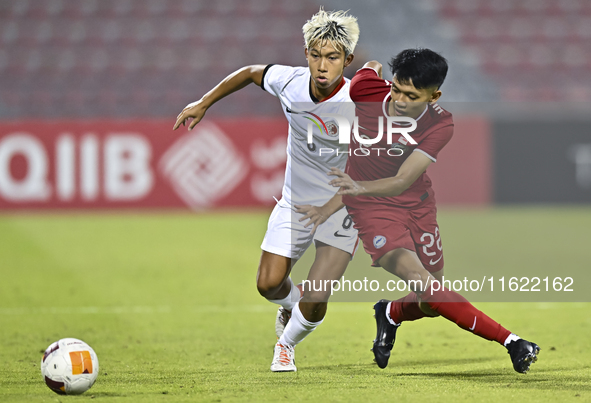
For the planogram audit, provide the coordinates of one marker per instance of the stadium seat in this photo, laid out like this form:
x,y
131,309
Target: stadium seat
x,y
530,39
116,57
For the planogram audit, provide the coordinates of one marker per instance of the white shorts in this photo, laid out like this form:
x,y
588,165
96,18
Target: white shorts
x,y
287,236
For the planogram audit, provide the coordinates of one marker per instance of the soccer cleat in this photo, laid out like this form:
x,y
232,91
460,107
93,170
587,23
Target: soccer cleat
x,y
386,335
283,316
283,359
523,353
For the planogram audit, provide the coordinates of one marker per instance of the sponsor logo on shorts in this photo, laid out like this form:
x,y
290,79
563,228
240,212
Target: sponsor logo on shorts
x,y
379,241
336,233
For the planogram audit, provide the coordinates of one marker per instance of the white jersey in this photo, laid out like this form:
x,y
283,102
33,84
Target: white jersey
x,y
306,179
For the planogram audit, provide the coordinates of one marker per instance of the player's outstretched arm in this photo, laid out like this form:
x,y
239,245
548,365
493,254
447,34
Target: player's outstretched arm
x,y
409,172
235,81
317,215
377,66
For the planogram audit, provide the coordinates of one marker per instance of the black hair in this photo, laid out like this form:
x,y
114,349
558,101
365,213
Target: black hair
x,y
424,67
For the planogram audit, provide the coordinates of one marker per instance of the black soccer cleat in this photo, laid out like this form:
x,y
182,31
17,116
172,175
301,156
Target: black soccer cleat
x,y
523,353
386,334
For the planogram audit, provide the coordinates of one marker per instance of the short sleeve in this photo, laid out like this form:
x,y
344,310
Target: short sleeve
x,y
366,83
435,141
275,76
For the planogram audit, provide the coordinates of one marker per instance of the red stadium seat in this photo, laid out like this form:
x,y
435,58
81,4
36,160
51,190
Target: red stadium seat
x,y
129,57
529,40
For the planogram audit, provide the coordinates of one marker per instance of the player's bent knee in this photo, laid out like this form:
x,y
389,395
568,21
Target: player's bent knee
x,y
268,288
417,280
269,283
272,272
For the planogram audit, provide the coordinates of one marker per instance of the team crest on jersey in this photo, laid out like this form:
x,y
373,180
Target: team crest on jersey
x,y
379,241
401,145
397,146
332,129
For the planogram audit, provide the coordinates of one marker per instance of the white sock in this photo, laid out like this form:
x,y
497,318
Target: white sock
x,y
510,338
297,328
292,298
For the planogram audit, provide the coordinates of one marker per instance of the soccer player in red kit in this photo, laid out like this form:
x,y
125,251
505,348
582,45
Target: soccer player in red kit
x,y
388,194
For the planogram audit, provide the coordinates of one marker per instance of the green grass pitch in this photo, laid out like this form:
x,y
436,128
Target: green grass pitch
x,y
169,303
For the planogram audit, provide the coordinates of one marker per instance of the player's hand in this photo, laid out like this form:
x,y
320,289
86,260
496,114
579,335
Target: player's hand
x,y
316,215
195,110
343,181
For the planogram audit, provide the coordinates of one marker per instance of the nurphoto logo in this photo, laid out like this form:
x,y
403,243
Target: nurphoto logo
x,y
344,128
398,129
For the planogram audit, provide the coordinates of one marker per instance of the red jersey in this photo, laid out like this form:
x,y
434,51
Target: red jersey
x,y
371,95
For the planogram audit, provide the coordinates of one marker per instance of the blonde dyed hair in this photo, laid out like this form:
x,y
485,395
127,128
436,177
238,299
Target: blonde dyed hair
x,y
336,27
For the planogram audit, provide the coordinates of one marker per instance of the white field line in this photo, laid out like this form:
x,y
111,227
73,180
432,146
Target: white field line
x,y
125,310
232,309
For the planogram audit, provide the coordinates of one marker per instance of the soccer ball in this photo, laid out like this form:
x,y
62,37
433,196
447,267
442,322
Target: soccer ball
x,y
69,366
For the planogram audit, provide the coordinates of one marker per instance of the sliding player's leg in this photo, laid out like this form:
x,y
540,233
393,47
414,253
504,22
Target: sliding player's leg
x,y
415,229
422,228
452,306
410,307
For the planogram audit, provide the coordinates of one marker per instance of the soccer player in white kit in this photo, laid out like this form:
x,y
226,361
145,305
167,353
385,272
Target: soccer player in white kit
x,y
306,94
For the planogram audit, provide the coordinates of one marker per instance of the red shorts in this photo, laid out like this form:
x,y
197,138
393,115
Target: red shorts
x,y
383,229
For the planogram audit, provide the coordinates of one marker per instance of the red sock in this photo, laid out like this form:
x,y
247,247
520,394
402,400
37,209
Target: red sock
x,y
406,309
456,308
